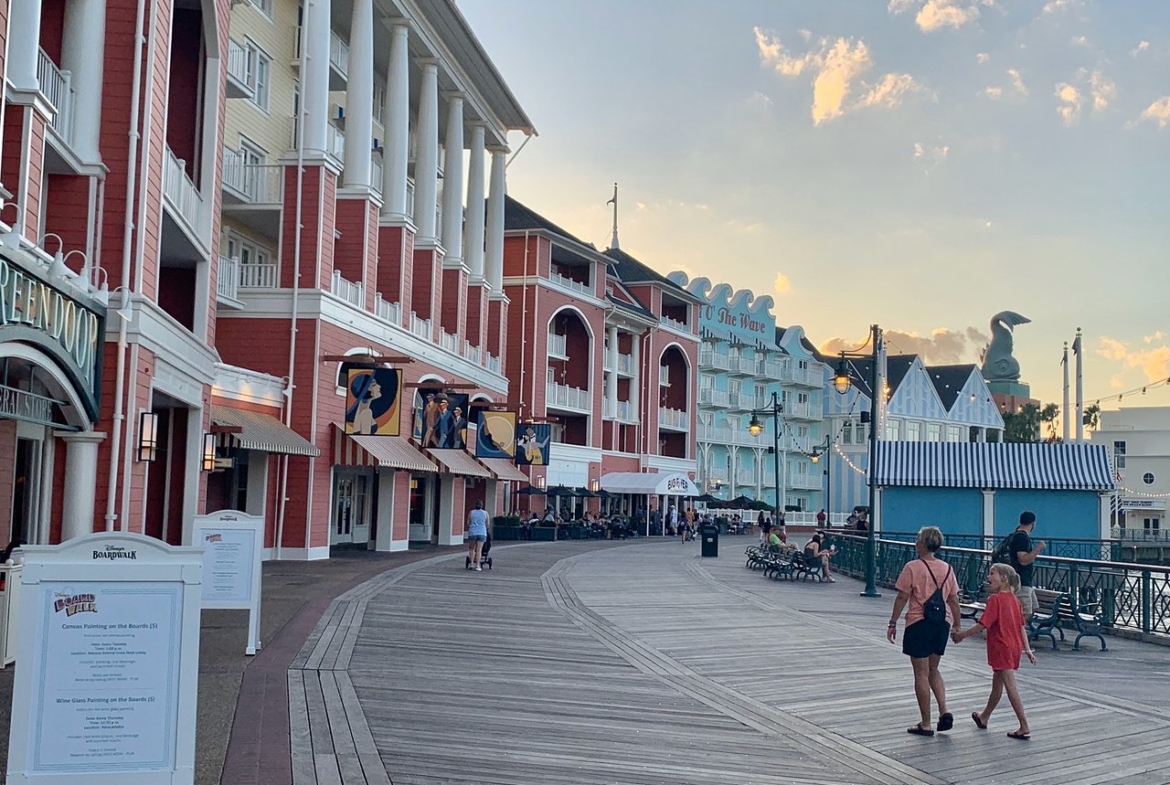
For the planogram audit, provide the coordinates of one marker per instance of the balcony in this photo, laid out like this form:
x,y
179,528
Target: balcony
x,y
494,365
747,366
558,346
712,359
258,276
625,364
746,401
57,86
338,60
376,172
387,311
800,410
675,324
723,435
188,212
810,377
674,419
570,284
717,476
239,80
448,342
227,282
353,293
664,375
769,369
745,477
335,142
562,396
251,184
712,397
472,353
808,482
421,327
624,412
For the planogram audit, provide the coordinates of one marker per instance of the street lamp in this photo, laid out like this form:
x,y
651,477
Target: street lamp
x,y
755,428
841,383
815,457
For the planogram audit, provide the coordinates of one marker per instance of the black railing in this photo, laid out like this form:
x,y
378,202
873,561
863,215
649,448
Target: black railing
x,y
1132,596
1061,547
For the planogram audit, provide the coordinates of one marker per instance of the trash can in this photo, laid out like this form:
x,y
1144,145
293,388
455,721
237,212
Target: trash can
x,y
710,540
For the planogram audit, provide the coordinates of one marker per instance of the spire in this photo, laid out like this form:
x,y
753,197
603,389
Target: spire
x,y
613,243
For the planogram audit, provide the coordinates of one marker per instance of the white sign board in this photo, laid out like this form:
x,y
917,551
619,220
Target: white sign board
x,y
109,660
232,544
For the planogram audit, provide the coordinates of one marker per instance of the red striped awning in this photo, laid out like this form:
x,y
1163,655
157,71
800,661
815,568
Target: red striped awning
x,y
504,469
391,452
458,462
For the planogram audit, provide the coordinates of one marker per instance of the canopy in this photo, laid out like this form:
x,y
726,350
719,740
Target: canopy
x,y
459,462
653,484
389,452
504,469
259,431
1082,467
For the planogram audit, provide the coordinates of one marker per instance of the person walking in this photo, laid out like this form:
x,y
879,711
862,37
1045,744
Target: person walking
x,y
1004,623
476,535
1021,553
927,587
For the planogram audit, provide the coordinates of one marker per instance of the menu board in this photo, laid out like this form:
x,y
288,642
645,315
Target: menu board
x,y
228,557
111,702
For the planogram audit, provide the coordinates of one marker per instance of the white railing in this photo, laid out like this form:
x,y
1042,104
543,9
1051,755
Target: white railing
x,y
237,64
676,324
812,376
721,434
626,364
770,369
335,142
799,409
566,397
183,196
338,54
747,366
569,283
557,345
804,481
251,183
258,276
718,475
715,360
746,401
664,375
376,173
624,411
673,418
350,291
227,280
769,478
493,364
448,341
472,353
713,397
57,86
745,476
387,311
421,327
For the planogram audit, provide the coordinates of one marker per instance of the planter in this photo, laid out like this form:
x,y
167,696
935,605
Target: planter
x,y
504,532
544,533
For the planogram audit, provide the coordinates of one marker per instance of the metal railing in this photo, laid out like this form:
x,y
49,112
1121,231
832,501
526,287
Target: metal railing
x,y
558,345
387,311
351,291
237,64
569,397
674,418
57,86
227,280
258,276
711,359
713,397
421,327
184,198
251,183
745,477
335,142
624,412
338,54
1131,596
569,283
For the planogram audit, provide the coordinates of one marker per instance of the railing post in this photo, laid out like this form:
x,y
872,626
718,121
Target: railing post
x,y
1147,610
1074,589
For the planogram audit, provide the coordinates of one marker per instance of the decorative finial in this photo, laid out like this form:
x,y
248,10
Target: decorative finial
x,y
613,242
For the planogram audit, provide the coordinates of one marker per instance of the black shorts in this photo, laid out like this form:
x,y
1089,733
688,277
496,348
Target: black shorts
x,y
925,638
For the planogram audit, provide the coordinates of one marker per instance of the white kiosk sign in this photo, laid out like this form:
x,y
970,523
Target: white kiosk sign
x,y
110,663
232,545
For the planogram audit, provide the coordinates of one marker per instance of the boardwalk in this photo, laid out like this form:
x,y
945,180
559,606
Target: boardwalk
x,y
575,664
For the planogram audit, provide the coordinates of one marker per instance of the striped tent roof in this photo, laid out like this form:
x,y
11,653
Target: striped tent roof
x,y
1083,467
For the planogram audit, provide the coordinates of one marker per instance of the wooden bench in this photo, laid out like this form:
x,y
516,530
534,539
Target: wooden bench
x,y
1054,613
970,606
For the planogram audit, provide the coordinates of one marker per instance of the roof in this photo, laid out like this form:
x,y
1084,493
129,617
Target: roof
x,y
519,216
948,381
806,343
1038,465
630,270
897,366
262,432
652,483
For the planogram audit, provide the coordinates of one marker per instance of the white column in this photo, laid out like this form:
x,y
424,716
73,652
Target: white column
x,y
473,253
989,513
426,161
495,221
611,386
636,373
80,483
450,530
83,54
24,35
384,536
396,120
453,183
359,96
315,74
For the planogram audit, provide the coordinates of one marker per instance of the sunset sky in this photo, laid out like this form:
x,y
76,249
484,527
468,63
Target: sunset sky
x,y
922,164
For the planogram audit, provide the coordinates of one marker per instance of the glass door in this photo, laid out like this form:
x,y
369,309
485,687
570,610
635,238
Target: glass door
x,y
351,509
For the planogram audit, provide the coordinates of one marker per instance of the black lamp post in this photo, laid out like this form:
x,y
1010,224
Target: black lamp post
x,y
842,383
815,457
755,428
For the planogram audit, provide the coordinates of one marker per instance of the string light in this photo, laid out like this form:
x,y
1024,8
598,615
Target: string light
x,y
1144,494
1135,391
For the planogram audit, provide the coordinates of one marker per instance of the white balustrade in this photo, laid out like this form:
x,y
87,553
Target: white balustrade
x,y
227,278
566,397
421,327
624,412
626,364
747,366
569,283
350,291
676,324
799,409
237,65
472,353
713,397
251,183
674,418
335,142
493,364
338,54
711,359
723,435
558,346
718,476
184,198
387,311
745,477
57,86
258,276
448,341
746,401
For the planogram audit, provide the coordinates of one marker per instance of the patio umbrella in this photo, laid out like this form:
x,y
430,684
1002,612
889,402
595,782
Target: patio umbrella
x,y
585,493
530,491
740,502
604,494
706,498
561,490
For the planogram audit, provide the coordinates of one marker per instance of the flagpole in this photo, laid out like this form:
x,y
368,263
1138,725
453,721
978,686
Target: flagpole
x,y
1065,412
613,242
1080,388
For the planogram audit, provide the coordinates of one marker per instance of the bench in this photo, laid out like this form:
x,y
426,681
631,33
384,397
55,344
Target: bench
x,y
782,564
971,605
1055,612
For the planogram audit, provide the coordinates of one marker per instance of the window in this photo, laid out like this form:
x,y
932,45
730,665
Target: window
x,y
802,431
379,101
733,388
847,432
1119,455
892,430
259,73
733,423
933,432
1151,524
913,431
256,268
264,7
954,433
802,397
1148,478
803,365
706,382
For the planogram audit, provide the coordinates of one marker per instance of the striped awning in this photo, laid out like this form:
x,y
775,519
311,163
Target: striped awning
x,y
1081,467
262,432
391,452
504,469
458,462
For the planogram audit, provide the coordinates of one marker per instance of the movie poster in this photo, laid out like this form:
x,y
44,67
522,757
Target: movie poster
x,y
496,435
532,443
440,420
372,401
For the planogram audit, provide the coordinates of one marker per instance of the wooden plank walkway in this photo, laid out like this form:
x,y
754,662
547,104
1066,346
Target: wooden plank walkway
x,y
582,663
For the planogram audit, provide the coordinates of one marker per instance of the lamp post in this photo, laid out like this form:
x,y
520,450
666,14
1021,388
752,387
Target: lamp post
x,y
841,383
815,457
755,428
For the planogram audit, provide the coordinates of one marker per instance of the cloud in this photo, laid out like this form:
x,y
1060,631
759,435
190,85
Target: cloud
x,y
805,35
758,100
783,285
836,68
1157,336
1103,89
933,156
994,93
1141,47
1158,112
941,347
934,15
1071,102
1079,40
982,57
1017,82
1055,6
1152,362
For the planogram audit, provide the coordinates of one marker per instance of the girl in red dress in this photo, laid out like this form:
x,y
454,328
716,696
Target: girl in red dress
x,y
1003,620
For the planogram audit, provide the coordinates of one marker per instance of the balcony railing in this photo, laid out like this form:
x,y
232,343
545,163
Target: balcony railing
x,y
472,353
770,369
237,66
387,311
626,364
565,397
799,409
624,411
747,366
251,183
810,482
569,283
184,198
335,142
717,476
57,86
746,401
421,327
558,346
745,477
715,360
673,418
713,397
723,435
376,173
664,375
338,54
258,276
676,324
448,341
227,281
813,376
493,364
350,291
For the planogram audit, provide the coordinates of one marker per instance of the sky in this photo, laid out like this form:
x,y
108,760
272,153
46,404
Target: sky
x,y
919,164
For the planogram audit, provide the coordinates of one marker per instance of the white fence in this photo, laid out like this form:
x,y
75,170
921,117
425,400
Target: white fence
x,y
184,198
227,281
57,85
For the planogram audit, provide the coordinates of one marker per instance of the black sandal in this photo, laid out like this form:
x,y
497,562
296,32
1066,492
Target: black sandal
x,y
918,730
945,722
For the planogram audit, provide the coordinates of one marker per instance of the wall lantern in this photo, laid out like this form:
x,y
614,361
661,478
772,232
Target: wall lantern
x,y
209,442
595,485
147,437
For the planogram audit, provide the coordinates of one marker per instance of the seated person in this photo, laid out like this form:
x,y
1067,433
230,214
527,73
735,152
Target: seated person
x,y
813,551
